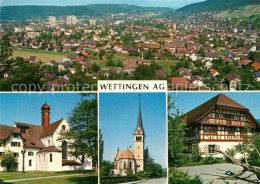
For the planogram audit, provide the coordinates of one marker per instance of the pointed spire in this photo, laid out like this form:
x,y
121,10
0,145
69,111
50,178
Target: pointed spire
x,y
139,119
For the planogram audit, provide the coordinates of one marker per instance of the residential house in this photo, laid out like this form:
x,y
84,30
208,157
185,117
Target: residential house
x,y
233,81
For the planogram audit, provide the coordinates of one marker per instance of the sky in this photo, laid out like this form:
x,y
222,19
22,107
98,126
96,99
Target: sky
x,y
146,3
118,114
26,108
187,101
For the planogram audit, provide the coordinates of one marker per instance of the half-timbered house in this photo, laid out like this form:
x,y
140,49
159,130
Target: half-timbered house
x,y
220,123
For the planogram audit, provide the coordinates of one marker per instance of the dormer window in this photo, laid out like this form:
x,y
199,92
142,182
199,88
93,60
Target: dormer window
x,y
22,130
15,135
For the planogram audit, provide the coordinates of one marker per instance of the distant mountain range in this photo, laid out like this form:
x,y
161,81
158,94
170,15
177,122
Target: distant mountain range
x,y
95,10
229,6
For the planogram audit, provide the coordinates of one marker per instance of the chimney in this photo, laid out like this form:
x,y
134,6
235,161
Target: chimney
x,y
45,115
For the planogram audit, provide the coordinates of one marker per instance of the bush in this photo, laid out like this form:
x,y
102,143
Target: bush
x,y
110,62
196,154
211,160
232,152
105,167
119,64
179,177
9,161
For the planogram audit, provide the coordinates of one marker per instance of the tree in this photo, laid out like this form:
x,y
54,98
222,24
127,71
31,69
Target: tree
x,y
119,63
148,54
145,72
26,77
78,79
101,54
153,170
95,68
105,166
5,53
110,62
83,132
9,161
176,132
179,177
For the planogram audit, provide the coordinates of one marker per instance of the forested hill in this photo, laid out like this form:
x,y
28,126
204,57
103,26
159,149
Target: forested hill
x,y
217,5
95,10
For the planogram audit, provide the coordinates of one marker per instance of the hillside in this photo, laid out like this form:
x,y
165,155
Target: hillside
x,y
241,12
217,5
27,12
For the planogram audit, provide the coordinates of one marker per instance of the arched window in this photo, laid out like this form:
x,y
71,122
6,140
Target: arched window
x,y
50,157
124,165
130,165
64,150
63,127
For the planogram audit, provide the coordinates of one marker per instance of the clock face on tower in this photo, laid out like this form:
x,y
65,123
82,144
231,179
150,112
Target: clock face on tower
x,y
138,131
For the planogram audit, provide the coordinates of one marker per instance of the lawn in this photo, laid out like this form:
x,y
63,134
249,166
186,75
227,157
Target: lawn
x,y
166,65
44,56
88,179
34,174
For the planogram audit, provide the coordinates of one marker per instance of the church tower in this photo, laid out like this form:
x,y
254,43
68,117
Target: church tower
x,y
139,139
45,115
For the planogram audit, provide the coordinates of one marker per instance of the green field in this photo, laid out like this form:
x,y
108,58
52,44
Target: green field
x,y
166,65
242,12
44,56
34,174
81,179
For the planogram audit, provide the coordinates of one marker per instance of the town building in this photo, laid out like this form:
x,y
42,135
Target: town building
x,y
45,151
71,20
218,124
52,19
133,159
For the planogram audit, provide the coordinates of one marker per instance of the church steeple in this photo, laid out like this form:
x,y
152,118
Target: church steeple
x,y
139,141
139,119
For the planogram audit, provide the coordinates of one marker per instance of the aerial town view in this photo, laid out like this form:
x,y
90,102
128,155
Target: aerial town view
x,y
197,45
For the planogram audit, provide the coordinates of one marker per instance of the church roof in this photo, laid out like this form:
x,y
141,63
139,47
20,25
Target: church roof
x,y
51,128
124,154
49,149
31,138
139,119
5,131
220,100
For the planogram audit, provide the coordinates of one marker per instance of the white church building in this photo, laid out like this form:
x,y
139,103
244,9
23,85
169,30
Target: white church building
x,y
44,150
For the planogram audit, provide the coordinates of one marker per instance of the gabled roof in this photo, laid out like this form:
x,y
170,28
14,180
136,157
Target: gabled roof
x,y
5,131
220,100
124,154
31,138
51,128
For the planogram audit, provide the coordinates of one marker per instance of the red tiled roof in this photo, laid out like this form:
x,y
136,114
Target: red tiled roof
x,y
51,128
124,154
220,100
49,149
180,83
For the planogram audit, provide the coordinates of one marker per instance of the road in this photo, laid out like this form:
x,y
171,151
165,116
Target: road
x,y
152,181
210,173
156,181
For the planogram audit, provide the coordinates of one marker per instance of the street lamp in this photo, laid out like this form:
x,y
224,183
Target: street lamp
x,y
23,153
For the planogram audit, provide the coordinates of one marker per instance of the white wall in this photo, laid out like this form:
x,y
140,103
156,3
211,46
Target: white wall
x,y
222,145
46,140
44,164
